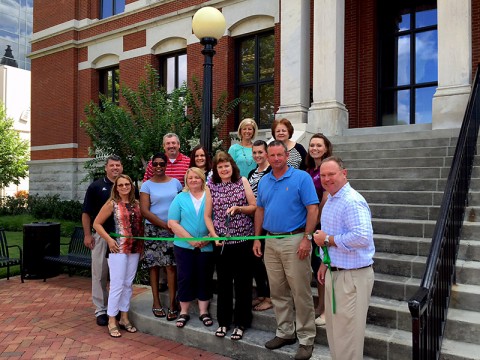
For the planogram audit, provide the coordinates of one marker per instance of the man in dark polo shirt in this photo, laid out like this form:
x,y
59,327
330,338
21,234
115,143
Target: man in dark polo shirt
x,y
96,196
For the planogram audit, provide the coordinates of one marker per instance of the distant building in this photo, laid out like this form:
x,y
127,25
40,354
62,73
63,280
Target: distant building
x,y
16,27
327,65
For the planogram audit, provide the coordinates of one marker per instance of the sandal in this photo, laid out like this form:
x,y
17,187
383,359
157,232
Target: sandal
x,y
264,305
182,320
172,315
221,332
237,333
206,319
159,312
128,327
114,332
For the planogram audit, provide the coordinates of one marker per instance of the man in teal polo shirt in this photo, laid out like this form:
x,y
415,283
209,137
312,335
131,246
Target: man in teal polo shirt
x,y
287,204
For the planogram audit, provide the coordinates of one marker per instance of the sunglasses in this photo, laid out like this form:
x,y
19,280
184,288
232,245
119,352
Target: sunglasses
x,y
161,164
124,185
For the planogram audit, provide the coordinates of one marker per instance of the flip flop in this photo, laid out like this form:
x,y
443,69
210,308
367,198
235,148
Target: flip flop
x,y
128,327
172,315
114,332
159,312
206,319
264,305
182,320
221,332
237,333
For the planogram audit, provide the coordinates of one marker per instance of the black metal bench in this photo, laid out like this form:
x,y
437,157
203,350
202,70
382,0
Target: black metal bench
x,y
5,260
78,256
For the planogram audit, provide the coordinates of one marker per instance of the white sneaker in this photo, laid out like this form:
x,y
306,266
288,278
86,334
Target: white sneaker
x,y
319,321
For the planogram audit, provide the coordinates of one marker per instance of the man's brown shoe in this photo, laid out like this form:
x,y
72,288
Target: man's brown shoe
x,y
278,342
304,352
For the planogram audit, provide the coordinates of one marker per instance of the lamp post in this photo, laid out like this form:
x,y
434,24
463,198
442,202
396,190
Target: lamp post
x,y
208,25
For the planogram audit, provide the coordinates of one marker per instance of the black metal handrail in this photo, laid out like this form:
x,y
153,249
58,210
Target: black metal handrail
x,y
429,305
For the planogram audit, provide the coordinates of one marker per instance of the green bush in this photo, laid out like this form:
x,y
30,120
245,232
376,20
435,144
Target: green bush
x,y
51,206
11,205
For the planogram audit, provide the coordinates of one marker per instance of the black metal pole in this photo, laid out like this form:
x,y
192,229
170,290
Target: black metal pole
x,y
206,130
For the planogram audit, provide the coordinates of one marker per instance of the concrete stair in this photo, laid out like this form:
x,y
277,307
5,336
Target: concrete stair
x,y
402,176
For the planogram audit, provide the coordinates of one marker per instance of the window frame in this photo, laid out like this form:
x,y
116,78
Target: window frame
x,y
257,82
163,75
103,79
411,8
113,8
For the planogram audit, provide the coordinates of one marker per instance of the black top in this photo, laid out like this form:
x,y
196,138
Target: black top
x,y
96,196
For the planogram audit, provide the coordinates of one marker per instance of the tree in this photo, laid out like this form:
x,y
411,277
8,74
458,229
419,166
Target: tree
x,y
14,152
135,131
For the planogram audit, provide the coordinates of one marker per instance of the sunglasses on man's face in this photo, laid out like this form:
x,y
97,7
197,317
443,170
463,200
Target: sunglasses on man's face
x,y
161,164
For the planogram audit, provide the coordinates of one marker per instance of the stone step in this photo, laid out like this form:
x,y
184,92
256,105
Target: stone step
x,y
404,227
470,231
428,185
468,249
427,198
399,264
398,173
463,325
404,211
395,162
458,350
195,334
465,297
352,155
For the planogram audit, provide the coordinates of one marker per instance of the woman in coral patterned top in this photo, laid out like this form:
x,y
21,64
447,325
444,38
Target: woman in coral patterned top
x,y
124,251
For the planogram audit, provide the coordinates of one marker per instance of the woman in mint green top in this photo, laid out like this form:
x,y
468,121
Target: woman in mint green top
x,y
242,152
194,258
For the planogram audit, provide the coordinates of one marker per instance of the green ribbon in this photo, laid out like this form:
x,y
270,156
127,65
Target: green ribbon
x,y
207,238
327,261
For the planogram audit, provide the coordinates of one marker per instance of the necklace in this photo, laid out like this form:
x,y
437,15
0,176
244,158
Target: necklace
x,y
245,156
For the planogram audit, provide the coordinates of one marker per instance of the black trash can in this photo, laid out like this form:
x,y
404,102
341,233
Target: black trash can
x,y
36,237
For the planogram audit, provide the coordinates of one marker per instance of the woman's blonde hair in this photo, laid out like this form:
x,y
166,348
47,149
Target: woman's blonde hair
x,y
197,171
246,122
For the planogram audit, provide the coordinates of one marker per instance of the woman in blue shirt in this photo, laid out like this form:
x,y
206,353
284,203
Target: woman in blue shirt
x,y
242,152
194,258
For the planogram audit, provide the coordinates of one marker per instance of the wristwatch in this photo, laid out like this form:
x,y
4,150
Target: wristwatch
x,y
309,236
327,240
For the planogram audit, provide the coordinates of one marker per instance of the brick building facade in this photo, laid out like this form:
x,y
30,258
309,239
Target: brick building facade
x,y
331,60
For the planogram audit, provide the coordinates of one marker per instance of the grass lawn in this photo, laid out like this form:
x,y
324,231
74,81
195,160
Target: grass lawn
x,y
16,238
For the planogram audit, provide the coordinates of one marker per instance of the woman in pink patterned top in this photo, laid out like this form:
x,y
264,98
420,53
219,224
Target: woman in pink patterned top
x,y
229,207
124,251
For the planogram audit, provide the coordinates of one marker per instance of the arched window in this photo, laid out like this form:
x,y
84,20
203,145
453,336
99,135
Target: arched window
x,y
408,61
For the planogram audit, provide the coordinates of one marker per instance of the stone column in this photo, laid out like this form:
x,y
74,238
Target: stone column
x,y
294,60
328,113
454,63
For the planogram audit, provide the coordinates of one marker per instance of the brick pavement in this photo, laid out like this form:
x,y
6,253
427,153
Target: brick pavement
x,y
55,320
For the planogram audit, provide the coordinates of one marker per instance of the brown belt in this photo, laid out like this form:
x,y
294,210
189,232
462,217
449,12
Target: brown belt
x,y
334,268
297,231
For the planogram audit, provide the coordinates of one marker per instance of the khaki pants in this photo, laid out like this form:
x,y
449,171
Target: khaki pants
x,y
346,328
99,275
290,290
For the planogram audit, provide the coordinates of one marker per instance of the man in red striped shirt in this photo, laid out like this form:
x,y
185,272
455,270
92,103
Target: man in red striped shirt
x,y
178,163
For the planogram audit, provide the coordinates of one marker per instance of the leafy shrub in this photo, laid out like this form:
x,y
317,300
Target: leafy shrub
x,y
51,206
10,205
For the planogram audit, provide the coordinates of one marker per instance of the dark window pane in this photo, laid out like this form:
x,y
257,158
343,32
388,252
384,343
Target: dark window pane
x,y
403,60
266,105
174,71
396,108
247,61
426,57
423,105
426,18
267,57
247,108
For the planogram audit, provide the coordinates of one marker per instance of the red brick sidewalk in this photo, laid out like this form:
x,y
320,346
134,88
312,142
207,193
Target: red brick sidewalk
x,y
55,320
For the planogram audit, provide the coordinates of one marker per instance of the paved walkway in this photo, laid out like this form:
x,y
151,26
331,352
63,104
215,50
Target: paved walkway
x,y
55,320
